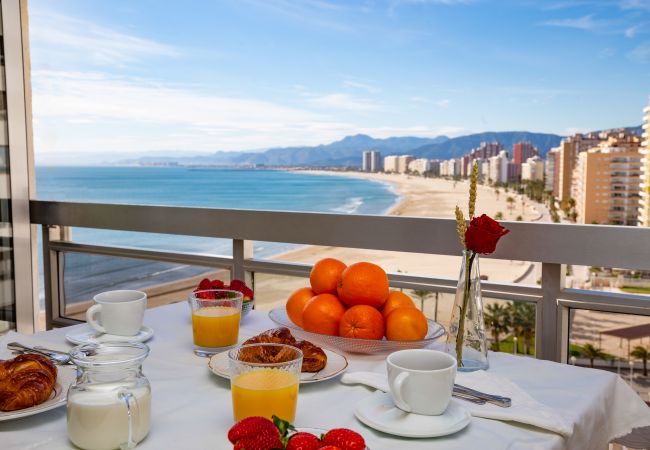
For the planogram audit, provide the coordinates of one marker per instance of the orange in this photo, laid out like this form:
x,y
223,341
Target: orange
x,y
325,275
363,283
362,322
396,299
296,303
322,314
406,324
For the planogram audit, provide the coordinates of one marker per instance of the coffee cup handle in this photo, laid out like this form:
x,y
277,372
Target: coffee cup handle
x,y
90,318
397,386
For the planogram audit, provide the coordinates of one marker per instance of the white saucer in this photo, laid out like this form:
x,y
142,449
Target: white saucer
x,y
88,335
379,412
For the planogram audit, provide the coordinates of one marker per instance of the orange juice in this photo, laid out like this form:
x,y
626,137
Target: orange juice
x,y
264,393
215,326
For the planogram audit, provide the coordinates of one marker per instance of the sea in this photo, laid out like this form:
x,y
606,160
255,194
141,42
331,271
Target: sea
x,y
273,190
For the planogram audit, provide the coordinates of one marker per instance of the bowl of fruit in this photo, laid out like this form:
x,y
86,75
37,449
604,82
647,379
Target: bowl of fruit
x,y
263,434
351,308
235,285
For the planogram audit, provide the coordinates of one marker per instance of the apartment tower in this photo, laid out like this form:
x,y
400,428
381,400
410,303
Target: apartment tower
x,y
644,209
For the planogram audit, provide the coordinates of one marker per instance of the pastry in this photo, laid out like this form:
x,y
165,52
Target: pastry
x,y
27,380
313,360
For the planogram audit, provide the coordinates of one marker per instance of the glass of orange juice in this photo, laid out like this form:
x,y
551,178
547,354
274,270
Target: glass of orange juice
x,y
215,320
264,380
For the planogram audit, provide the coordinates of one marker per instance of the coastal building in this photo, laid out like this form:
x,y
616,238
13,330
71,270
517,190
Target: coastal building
x,y
403,163
644,206
434,167
371,161
498,168
607,187
420,165
450,168
390,164
533,169
550,172
486,150
522,151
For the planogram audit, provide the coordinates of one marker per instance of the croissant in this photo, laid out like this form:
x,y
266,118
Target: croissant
x,y
313,360
27,380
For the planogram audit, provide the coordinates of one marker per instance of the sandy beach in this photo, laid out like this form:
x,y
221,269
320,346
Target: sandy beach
x,y
418,197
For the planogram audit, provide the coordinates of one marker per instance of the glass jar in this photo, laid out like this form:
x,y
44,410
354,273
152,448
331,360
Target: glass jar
x,y
109,405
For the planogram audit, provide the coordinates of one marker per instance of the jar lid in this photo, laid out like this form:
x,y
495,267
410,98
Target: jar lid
x,y
109,354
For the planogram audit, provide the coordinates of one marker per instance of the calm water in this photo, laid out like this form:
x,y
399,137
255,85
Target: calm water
x,y
176,186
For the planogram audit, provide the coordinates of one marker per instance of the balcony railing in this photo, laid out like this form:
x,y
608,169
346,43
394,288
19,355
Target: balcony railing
x,y
552,245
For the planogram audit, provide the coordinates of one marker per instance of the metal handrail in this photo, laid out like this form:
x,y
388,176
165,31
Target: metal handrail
x,y
554,245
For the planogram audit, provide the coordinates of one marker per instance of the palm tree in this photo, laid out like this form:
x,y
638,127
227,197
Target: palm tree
x,y
422,295
497,319
522,320
498,216
591,352
511,203
496,191
643,354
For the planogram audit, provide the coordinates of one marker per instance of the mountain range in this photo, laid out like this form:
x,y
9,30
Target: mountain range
x,y
347,151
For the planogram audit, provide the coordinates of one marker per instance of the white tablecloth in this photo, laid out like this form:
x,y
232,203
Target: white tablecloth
x,y
191,407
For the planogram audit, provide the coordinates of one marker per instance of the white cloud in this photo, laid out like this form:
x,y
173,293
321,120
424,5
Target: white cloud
x,y
580,23
347,102
632,31
641,53
359,85
61,36
635,4
444,103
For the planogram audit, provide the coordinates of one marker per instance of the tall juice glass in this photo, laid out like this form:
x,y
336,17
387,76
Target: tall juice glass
x,y
264,380
215,320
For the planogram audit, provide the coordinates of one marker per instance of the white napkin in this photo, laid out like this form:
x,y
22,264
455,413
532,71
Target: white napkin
x,y
525,409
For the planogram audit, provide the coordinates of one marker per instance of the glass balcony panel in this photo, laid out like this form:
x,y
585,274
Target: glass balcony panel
x,y
85,275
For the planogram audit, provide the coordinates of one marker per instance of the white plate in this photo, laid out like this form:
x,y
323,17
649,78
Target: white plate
x,y
336,364
88,335
379,412
66,376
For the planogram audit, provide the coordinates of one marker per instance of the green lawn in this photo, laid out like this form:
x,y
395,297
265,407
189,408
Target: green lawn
x,y
507,346
635,290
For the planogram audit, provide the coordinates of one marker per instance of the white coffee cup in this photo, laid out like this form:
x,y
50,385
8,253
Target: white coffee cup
x,y
421,381
120,312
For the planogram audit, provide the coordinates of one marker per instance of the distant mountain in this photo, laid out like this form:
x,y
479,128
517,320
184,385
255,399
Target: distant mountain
x,y
346,152
456,147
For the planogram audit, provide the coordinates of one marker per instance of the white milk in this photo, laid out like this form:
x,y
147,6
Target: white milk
x,y
98,420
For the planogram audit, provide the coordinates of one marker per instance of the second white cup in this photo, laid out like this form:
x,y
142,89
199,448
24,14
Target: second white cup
x,y
120,312
421,381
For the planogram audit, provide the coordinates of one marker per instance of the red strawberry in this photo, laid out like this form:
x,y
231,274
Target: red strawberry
x,y
262,441
345,439
251,428
303,441
237,285
216,284
204,285
329,447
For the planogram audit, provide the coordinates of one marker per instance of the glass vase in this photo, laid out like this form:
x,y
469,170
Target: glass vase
x,y
466,338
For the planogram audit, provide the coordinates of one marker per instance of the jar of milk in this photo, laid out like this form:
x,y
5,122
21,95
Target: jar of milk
x,y
109,405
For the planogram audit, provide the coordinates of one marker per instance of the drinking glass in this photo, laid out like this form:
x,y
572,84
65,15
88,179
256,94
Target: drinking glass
x,y
264,380
215,320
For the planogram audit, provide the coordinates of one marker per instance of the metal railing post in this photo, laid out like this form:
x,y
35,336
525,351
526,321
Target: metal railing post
x,y
548,332
241,251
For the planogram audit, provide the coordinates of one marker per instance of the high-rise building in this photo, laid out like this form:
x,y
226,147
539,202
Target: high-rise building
x,y
550,172
498,171
533,169
420,165
434,167
403,163
365,161
607,182
486,150
370,161
521,151
390,164
375,161
644,209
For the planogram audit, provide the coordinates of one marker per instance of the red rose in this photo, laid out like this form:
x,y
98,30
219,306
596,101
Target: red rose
x,y
483,234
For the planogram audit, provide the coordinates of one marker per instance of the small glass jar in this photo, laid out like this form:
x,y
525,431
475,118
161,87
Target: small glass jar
x,y
109,405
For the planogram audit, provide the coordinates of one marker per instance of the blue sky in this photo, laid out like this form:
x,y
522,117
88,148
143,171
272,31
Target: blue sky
x,y
123,77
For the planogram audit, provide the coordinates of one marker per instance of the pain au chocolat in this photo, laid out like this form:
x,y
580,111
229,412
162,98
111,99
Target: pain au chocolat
x,y
313,360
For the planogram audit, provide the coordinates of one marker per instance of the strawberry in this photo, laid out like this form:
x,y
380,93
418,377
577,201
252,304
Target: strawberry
x,y
345,439
204,285
254,433
262,441
329,447
238,285
303,441
216,284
